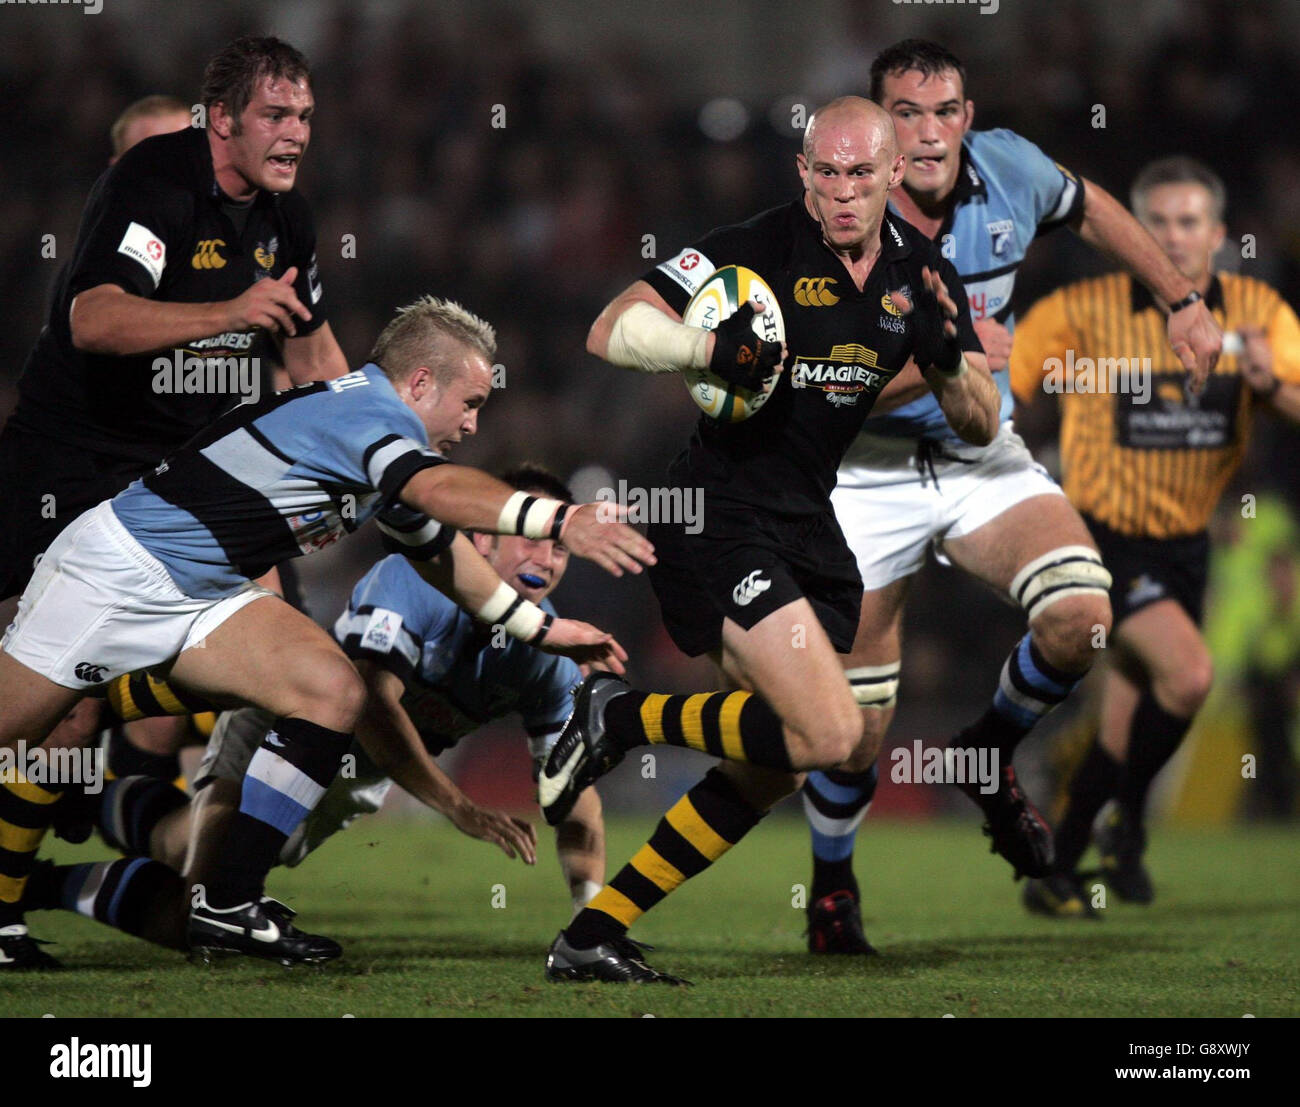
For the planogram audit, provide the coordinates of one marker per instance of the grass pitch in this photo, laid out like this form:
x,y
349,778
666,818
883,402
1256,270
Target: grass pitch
x,y
413,904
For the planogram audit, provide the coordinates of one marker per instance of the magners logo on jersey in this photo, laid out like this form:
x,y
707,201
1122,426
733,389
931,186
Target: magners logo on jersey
x,y
206,256
813,292
849,370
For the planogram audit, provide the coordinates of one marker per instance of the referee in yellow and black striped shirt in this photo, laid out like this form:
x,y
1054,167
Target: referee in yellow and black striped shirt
x,y
1145,461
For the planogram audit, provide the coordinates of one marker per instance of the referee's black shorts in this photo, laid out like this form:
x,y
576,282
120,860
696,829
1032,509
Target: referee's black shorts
x,y
44,485
743,565
1146,570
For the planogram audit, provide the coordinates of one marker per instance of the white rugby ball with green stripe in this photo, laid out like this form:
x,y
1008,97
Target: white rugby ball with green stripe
x,y
725,290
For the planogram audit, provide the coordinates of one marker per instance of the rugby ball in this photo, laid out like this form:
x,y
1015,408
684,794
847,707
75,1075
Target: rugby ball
x,y
716,300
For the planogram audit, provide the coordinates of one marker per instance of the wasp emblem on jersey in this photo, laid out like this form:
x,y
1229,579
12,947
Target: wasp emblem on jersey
x,y
265,254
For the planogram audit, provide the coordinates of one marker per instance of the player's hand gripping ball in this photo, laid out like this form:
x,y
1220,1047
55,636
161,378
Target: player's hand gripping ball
x,y
748,349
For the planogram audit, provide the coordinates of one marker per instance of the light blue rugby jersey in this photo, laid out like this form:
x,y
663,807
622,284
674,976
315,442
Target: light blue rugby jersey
x,y
1008,192
281,478
456,679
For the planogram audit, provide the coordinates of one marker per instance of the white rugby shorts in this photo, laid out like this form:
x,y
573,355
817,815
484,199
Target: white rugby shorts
x,y
891,507
100,605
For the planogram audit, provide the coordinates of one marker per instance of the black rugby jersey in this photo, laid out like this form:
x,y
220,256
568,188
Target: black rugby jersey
x,y
155,226
844,347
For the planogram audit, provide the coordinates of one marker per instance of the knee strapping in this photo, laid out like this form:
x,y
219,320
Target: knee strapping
x,y
1066,571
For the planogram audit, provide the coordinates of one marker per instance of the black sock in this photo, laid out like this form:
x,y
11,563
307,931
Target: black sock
x,y
142,696
129,808
26,813
738,726
834,803
1029,688
127,759
122,894
698,829
284,781
1092,785
1154,737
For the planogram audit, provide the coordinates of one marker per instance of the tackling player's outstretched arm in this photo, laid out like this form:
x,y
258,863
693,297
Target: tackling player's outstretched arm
x,y
1106,225
470,499
463,574
393,743
106,319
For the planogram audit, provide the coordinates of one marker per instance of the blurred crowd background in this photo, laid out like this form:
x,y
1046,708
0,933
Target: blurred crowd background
x,y
530,161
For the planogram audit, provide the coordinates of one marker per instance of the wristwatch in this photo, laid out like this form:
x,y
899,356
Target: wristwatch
x,y
1187,301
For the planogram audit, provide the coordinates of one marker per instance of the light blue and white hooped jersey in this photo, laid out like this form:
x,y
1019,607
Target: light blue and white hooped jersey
x,y
1008,192
285,477
457,677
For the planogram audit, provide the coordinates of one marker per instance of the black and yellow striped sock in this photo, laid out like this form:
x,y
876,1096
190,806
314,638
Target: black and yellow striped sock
x,y
698,829
737,726
141,696
25,810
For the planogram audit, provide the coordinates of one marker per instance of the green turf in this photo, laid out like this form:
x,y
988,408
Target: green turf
x,y
412,904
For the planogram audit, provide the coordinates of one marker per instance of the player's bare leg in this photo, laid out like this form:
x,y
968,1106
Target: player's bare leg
x,y
801,716
732,798
31,707
273,657
1040,553
30,704
1161,675
580,848
836,800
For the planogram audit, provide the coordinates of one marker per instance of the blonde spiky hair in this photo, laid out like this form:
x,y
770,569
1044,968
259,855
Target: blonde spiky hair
x,y
423,332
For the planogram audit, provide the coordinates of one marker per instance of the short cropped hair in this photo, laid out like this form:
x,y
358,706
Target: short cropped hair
x,y
531,477
928,57
1179,170
416,334
233,74
142,109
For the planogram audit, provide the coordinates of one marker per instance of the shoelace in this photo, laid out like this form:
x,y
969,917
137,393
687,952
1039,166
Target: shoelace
x,y
927,449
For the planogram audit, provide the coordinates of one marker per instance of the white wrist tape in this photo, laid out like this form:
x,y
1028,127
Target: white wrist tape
x,y
521,618
532,516
644,338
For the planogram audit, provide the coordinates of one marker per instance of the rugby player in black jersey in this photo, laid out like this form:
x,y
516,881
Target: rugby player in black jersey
x,y
768,588
195,259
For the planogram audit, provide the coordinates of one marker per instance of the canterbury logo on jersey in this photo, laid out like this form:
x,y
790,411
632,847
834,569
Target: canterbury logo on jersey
x,y
812,292
749,589
206,256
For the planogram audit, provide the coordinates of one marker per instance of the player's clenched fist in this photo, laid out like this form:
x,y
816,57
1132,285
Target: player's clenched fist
x,y
269,304
584,643
593,531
